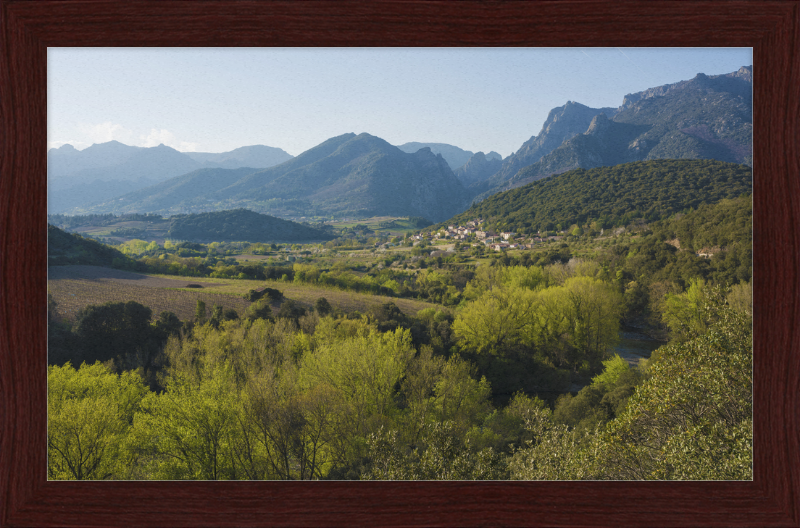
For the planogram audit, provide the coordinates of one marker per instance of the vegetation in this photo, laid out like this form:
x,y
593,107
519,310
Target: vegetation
x,y
369,357
612,196
68,248
264,399
241,224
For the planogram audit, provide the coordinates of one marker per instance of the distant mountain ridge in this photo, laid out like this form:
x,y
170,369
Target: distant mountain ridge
x,y
562,123
256,156
454,156
707,117
477,169
358,175
110,169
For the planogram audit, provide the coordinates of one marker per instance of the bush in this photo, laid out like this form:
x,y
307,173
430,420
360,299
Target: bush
x,y
322,306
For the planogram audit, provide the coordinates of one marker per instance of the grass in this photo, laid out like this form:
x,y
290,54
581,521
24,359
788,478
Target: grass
x,y
307,294
72,294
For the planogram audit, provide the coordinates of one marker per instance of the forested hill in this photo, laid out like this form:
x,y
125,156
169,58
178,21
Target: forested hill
x,y
721,225
68,248
612,196
241,225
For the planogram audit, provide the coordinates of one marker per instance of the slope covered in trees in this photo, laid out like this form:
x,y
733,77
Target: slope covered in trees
x,y
613,196
724,224
241,225
68,248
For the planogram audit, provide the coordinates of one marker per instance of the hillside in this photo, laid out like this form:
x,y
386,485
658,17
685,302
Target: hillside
x,y
708,117
723,224
67,248
613,196
241,225
349,175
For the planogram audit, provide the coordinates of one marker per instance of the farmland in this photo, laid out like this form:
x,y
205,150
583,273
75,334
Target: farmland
x,y
75,287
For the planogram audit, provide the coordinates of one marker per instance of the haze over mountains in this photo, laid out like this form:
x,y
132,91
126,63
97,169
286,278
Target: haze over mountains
x,y
111,169
707,117
358,175
454,156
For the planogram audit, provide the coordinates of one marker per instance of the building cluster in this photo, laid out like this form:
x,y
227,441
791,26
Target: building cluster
x,y
472,232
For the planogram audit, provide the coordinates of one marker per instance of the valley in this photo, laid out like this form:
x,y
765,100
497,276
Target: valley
x,y
580,310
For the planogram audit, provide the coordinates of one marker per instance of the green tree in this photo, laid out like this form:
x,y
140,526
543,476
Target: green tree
x,y
594,312
322,307
500,320
442,455
363,371
684,313
554,453
90,411
189,430
259,310
119,331
200,314
692,418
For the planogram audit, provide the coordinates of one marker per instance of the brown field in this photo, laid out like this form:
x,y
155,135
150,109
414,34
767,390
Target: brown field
x,y
75,287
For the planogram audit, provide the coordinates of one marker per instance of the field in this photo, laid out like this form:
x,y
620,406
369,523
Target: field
x,y
400,225
74,287
150,230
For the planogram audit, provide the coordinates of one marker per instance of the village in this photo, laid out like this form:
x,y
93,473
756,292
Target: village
x,y
472,233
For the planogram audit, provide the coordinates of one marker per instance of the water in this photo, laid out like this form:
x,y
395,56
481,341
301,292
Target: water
x,y
635,346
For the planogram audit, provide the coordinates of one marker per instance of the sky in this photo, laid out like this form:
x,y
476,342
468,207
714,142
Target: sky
x,y
219,99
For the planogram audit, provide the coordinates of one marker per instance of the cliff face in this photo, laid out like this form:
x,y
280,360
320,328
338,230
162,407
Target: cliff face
x,y
739,82
707,117
562,123
478,168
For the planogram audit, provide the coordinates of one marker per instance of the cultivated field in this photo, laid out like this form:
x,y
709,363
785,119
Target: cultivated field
x,y
74,287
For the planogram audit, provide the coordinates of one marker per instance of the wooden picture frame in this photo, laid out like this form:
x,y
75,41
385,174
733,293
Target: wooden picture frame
x,y
772,29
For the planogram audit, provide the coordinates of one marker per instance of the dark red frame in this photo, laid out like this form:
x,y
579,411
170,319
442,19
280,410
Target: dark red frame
x,y
28,27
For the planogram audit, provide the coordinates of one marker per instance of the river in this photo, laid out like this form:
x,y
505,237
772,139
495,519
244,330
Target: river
x,y
635,346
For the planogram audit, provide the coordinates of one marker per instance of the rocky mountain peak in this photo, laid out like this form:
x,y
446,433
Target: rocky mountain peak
x,y
600,123
478,168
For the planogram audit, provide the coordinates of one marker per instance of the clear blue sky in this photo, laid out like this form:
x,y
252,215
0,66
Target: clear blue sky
x,y
218,99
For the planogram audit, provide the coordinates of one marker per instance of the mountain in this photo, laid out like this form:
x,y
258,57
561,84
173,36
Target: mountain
x,y
67,160
454,156
612,196
353,175
707,117
479,168
241,225
562,123
134,168
256,156
108,170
